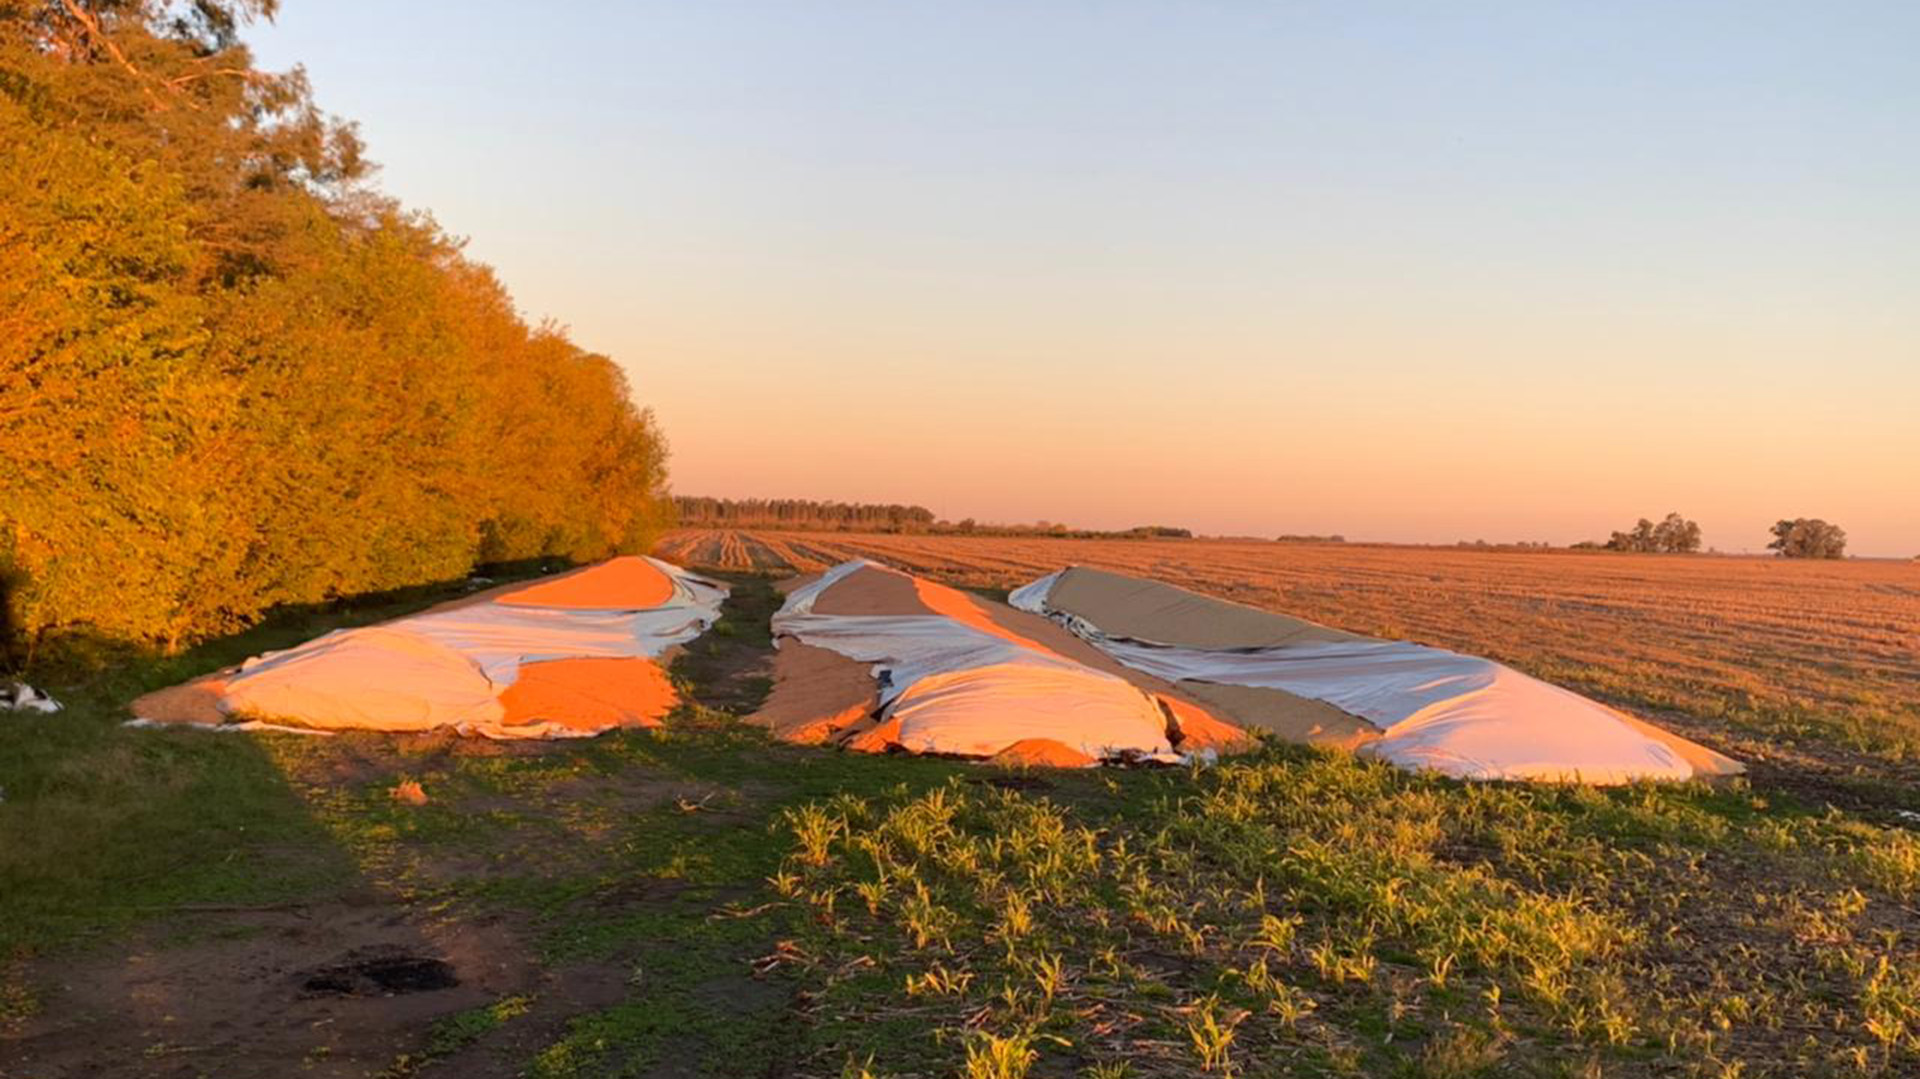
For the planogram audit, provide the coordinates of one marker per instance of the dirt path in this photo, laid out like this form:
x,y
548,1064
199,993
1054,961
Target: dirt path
x,y
730,668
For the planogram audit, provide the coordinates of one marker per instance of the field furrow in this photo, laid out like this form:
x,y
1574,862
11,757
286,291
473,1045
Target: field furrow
x,y
1758,647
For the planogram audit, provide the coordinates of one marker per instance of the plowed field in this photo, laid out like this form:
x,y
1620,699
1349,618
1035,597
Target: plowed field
x,y
1763,657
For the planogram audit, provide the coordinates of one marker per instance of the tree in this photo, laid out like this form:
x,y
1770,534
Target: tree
x,y
1808,537
1674,535
1639,539
1677,535
232,377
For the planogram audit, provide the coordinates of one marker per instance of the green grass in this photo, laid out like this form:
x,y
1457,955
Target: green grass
x,y
768,909
1341,918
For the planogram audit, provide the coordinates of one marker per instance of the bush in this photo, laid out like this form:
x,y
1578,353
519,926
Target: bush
x,y
1808,537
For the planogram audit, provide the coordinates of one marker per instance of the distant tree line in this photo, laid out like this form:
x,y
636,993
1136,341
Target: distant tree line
x,y
232,376
1800,537
1674,535
801,513
970,527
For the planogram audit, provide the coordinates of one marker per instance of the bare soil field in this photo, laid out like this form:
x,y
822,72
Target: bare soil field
x,y
1813,664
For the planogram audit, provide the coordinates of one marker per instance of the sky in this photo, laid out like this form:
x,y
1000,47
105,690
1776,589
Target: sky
x,y
1410,272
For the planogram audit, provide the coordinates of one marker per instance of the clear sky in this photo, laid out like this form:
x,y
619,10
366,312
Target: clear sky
x,y
1409,271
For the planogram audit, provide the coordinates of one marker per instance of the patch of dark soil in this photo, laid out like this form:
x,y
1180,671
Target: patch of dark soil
x,y
356,758
640,891
1882,795
634,790
1165,965
1811,771
563,995
1814,773
232,998
440,744
384,972
730,667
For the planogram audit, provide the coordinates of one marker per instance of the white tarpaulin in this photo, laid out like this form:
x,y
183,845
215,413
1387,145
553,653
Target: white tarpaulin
x,y
500,636
956,689
378,677
450,666
1459,715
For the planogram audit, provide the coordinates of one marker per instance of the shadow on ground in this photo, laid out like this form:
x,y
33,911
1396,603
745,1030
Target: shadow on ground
x,y
185,903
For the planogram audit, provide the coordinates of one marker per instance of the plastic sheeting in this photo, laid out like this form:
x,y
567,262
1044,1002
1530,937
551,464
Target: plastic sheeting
x,y
377,678
980,711
498,637
953,688
452,666
21,697
1459,715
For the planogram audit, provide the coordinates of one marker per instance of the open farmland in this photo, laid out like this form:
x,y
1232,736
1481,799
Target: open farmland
x,y
376,703
1813,667
700,900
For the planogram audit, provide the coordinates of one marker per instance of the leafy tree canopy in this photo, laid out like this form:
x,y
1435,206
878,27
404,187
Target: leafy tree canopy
x,y
232,375
1674,535
1808,537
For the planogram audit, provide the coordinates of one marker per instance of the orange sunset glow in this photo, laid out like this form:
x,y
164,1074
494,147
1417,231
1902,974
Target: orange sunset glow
x,y
903,539
1249,272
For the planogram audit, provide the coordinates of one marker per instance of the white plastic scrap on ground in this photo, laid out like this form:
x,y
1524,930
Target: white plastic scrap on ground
x,y
21,697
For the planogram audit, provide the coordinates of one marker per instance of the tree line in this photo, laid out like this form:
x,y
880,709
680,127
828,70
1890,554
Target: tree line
x,y
1053,530
1801,537
1798,537
800,513
233,376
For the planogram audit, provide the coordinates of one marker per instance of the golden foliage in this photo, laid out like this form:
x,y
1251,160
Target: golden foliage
x,y
230,378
